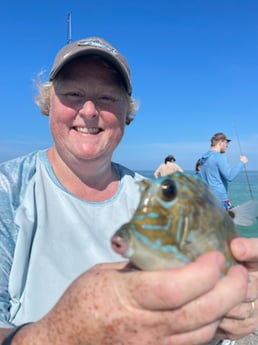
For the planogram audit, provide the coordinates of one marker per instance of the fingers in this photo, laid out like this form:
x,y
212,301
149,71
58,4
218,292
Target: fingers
x,y
189,298
245,249
243,319
214,304
243,311
252,292
195,295
172,288
249,306
149,307
237,328
198,336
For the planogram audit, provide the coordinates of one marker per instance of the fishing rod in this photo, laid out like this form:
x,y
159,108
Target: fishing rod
x,y
245,170
69,28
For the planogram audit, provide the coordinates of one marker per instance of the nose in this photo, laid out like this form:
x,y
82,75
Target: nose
x,y
88,108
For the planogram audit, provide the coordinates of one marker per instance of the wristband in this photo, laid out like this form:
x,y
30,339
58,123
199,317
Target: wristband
x,y
8,339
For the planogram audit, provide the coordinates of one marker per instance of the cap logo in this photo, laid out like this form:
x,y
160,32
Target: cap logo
x,y
98,44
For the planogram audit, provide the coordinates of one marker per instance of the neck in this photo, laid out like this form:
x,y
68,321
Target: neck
x,y
89,180
215,148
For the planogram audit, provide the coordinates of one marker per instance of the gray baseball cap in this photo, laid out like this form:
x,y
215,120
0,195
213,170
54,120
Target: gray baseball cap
x,y
93,46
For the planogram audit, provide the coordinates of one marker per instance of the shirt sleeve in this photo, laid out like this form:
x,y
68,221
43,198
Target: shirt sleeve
x,y
7,244
13,181
226,171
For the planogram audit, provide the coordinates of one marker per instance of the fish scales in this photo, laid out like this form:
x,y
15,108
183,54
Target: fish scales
x,y
178,218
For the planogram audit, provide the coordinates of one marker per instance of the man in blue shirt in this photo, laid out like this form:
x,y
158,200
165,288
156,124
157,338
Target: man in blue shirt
x,y
215,169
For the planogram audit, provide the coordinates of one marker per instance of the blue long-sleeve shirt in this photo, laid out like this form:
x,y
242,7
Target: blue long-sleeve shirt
x,y
216,172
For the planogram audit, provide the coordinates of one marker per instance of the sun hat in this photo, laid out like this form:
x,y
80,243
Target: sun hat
x,y
89,46
220,136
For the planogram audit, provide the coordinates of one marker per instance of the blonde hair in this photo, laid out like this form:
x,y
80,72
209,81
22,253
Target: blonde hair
x,y
44,91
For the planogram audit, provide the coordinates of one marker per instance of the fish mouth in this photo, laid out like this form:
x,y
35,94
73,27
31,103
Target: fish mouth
x,y
120,241
118,244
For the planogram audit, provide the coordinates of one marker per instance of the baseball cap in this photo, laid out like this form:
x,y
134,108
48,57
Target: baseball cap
x,y
93,46
220,136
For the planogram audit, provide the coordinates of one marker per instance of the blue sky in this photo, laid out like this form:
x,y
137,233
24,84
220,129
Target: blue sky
x,y
194,67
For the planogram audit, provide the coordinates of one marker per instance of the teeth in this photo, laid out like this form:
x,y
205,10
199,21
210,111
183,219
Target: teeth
x,y
93,130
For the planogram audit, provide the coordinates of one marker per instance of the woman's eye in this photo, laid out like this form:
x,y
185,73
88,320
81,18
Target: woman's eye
x,y
107,98
73,94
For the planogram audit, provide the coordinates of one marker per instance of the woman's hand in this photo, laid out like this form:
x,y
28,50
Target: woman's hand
x,y
115,304
243,319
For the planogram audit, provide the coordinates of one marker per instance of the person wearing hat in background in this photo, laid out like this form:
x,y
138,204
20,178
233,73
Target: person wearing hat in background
x,y
60,281
168,167
216,171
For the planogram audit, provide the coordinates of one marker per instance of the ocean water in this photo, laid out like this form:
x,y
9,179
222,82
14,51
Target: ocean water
x,y
242,189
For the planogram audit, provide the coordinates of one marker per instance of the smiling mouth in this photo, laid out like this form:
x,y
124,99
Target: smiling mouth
x,y
91,130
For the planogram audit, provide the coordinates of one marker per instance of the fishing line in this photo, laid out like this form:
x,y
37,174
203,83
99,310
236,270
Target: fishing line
x,y
245,170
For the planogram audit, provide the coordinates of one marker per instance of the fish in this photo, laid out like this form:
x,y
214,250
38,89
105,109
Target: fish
x,y
177,219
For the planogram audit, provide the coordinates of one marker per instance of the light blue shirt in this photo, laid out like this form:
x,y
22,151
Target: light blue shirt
x,y
48,237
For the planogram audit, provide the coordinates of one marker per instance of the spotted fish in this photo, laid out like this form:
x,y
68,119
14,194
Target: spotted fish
x,y
178,219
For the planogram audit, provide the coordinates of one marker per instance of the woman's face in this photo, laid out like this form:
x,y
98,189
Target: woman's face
x,y
87,110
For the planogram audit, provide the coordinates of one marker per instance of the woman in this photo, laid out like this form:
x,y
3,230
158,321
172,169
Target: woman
x,y
60,282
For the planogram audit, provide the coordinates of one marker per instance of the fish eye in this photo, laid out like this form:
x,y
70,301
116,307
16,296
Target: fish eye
x,y
168,190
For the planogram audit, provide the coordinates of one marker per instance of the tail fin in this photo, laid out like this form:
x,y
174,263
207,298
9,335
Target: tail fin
x,y
245,214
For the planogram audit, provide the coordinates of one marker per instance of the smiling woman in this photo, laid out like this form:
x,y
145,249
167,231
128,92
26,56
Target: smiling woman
x,y
42,100
87,113
59,209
